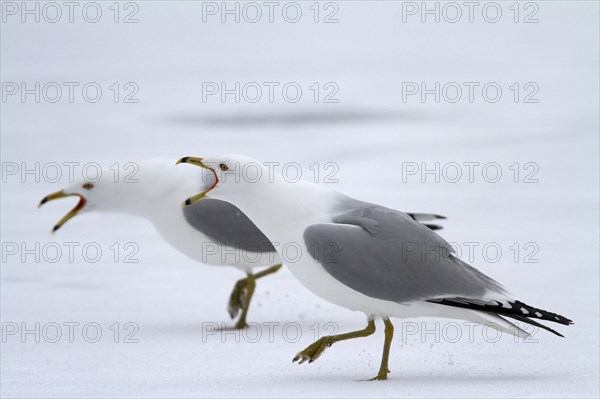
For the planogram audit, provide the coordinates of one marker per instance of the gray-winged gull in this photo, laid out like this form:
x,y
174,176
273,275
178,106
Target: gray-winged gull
x,y
363,256
216,233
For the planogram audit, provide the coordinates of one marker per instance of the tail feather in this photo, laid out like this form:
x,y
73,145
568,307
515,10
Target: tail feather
x,y
504,325
433,226
427,217
513,309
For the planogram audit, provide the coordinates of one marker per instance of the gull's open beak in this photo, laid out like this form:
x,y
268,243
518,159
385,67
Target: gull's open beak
x,y
193,160
62,194
198,162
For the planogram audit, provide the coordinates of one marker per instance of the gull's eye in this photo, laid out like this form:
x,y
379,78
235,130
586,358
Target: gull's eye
x,y
224,167
88,186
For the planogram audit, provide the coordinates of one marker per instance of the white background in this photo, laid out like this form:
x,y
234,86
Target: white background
x,y
370,134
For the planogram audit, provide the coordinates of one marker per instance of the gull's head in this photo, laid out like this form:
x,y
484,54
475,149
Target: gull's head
x,y
233,175
88,195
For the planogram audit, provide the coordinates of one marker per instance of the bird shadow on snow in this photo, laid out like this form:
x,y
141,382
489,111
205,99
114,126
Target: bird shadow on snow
x,y
197,325
424,379
291,118
79,285
460,377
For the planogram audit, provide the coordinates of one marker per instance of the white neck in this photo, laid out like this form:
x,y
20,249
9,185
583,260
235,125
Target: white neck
x,y
159,191
275,207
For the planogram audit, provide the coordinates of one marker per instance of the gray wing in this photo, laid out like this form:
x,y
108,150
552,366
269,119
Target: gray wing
x,y
385,254
225,224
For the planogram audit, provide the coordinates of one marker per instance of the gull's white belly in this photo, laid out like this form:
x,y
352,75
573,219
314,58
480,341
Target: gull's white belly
x,y
191,242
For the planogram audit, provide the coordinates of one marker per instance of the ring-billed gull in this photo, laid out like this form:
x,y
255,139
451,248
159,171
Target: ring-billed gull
x,y
212,231
363,256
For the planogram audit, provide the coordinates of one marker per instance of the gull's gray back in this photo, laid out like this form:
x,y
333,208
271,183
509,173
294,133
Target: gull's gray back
x,y
385,254
225,224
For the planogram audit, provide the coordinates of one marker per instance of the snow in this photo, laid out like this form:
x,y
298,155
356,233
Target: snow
x,y
371,135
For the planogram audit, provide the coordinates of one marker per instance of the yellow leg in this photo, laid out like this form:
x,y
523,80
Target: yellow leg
x,y
241,295
383,369
249,291
314,350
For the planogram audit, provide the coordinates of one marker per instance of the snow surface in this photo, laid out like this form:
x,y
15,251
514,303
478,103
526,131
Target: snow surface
x,y
369,53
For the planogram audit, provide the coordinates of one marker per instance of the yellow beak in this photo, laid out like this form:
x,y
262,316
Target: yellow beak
x,y
194,161
197,162
73,212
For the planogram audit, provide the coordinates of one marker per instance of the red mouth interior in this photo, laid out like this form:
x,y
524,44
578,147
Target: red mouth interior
x,y
73,212
216,180
80,204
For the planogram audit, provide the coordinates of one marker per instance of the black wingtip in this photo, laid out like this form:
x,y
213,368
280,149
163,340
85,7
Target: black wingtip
x,y
516,308
534,323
